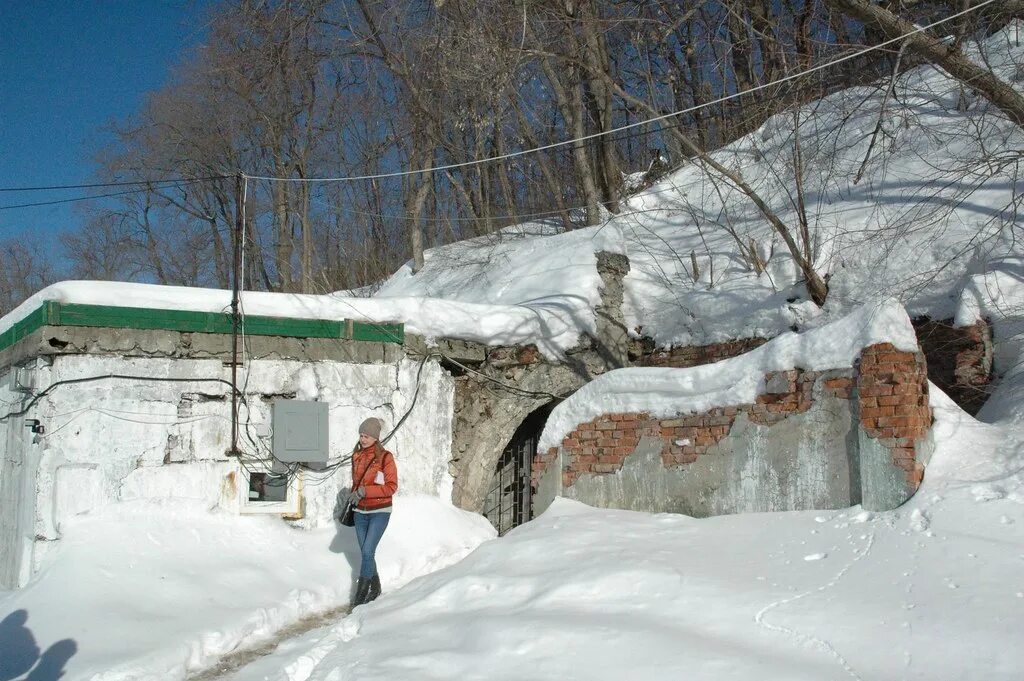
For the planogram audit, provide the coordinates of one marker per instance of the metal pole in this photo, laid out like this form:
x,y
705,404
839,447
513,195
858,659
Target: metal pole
x,y
236,266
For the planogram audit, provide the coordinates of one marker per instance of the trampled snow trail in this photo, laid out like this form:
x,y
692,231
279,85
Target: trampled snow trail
x,y
809,638
240,658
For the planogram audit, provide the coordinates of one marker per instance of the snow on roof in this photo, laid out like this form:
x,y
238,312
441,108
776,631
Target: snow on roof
x,y
554,324
665,392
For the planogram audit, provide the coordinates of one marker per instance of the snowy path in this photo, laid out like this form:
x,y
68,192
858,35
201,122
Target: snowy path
x,y
241,658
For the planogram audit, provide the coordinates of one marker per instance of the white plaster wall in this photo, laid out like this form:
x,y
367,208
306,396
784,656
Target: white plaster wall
x,y
18,462
423,444
118,439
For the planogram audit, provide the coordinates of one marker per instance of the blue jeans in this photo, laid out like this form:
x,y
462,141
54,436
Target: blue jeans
x,y
369,529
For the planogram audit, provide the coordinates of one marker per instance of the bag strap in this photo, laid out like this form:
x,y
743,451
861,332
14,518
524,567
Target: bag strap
x,y
365,470
383,458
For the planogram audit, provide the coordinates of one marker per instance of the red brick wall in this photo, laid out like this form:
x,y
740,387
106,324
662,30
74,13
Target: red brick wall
x,y
893,392
959,359
696,355
602,445
891,386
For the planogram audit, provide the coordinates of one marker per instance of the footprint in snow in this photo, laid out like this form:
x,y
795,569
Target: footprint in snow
x,y
863,517
919,521
983,493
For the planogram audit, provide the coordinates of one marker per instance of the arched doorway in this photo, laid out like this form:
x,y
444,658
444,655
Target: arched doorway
x,y
509,499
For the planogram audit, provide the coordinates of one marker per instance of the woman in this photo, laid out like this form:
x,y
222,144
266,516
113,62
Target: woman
x,y
374,482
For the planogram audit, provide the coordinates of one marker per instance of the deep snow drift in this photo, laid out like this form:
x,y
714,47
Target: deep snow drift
x,y
933,590
151,589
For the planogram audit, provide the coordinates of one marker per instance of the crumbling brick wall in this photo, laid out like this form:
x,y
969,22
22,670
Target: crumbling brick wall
x,y
892,388
601,445
959,359
887,391
694,355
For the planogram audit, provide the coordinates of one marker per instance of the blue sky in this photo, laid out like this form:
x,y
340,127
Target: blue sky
x,y
67,68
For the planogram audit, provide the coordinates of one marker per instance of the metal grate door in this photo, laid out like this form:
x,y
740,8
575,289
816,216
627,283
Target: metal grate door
x,y
509,501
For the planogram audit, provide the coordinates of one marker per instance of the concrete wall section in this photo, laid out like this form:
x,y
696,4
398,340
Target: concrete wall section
x,y
547,476
800,462
18,463
76,340
824,439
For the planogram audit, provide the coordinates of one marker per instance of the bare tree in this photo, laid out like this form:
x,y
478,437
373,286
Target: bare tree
x,y
24,269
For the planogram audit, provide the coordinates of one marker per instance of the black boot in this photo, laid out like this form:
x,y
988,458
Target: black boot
x,y
362,588
374,589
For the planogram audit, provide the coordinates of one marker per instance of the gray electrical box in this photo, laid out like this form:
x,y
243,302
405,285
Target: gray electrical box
x,y
300,431
20,380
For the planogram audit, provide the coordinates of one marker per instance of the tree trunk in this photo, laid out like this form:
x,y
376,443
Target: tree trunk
x,y
419,188
283,255
151,246
572,113
554,186
307,239
595,56
954,62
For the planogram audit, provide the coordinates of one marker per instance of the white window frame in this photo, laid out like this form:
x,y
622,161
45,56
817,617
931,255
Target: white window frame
x,y
290,507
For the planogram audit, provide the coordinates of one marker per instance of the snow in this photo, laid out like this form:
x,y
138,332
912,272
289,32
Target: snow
x,y
585,593
757,597
153,588
931,210
664,392
552,324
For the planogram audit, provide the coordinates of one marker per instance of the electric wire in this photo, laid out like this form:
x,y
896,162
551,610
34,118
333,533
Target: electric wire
x,y
649,121
78,413
36,397
437,353
555,212
92,196
100,377
319,475
95,185
523,152
257,442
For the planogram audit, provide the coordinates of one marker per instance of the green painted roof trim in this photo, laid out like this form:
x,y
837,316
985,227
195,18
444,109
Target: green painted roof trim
x,y
23,328
106,316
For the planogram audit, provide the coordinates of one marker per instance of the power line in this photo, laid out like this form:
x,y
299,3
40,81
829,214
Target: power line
x,y
649,121
95,196
113,184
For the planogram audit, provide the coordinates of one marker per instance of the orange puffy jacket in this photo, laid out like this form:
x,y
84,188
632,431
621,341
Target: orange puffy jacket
x,y
375,464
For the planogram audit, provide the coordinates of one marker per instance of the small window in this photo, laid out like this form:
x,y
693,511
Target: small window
x,y
268,487
272,493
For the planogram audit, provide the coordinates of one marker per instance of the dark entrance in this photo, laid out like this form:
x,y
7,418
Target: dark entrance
x,y
509,500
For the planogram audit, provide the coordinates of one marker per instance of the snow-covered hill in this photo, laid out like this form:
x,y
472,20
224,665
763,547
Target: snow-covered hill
x,y
935,205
